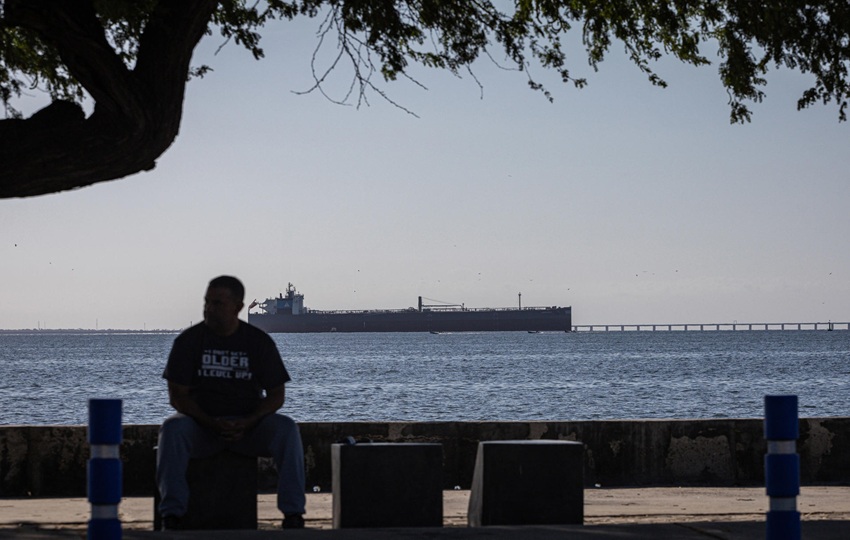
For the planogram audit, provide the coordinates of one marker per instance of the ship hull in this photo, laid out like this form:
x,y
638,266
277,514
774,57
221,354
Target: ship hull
x,y
497,320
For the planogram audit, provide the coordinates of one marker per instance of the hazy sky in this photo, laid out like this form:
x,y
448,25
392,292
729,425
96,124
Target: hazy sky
x,y
632,204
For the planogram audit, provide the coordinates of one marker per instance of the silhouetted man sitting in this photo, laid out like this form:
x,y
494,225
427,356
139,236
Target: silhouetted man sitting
x,y
226,380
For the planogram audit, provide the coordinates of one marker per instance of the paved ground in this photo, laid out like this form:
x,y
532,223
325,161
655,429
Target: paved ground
x,y
684,513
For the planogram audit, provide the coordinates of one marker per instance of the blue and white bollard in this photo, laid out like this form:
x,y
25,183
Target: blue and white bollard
x,y
782,467
104,469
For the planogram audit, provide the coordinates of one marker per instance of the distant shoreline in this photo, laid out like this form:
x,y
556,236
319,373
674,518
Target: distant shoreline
x,y
32,331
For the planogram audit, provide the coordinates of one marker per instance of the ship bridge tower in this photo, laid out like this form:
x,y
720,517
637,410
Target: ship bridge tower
x,y
297,300
292,303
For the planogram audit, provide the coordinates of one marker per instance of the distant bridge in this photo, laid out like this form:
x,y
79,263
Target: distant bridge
x,y
710,327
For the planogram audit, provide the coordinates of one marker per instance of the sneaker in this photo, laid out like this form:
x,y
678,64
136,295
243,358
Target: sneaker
x,y
293,521
171,523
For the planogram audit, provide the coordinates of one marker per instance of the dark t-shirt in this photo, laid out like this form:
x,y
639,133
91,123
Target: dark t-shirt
x,y
227,374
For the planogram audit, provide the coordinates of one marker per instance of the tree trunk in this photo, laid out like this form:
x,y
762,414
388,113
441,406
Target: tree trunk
x,y
137,112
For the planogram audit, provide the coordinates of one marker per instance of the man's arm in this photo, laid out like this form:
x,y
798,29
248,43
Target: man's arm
x,y
273,401
180,397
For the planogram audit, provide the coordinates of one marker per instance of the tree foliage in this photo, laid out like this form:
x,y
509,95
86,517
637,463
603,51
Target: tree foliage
x,y
132,58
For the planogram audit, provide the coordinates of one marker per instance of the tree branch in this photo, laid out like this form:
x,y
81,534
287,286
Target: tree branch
x,y
72,27
137,113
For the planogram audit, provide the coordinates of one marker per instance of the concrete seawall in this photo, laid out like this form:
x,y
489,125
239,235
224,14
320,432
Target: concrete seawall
x,y
47,461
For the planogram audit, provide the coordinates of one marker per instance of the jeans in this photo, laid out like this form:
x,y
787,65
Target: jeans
x,y
181,438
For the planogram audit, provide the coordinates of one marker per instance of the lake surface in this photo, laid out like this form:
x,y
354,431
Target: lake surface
x,y
48,378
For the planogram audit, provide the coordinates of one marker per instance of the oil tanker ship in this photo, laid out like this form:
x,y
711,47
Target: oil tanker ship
x,y
287,314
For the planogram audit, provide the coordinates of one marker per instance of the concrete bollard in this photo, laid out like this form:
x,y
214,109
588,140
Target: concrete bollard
x,y
387,485
222,493
104,469
539,482
782,467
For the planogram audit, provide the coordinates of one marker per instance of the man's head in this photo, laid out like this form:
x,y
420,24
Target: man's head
x,y
222,304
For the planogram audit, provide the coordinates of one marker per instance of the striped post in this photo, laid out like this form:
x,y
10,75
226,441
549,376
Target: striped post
x,y
782,467
104,469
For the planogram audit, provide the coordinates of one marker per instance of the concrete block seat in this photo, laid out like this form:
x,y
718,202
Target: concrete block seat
x,y
222,493
387,485
539,482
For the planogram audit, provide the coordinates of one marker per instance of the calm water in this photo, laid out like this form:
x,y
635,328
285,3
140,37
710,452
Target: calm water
x,y
47,379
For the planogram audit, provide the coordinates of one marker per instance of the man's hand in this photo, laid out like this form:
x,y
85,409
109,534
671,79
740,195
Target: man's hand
x,y
234,429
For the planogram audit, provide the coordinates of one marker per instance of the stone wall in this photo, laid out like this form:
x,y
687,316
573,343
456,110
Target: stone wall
x,y
44,461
